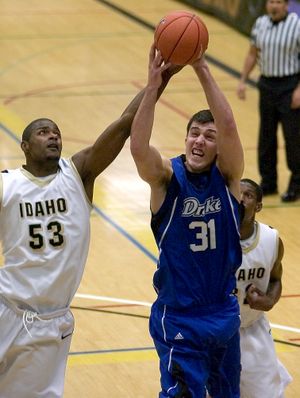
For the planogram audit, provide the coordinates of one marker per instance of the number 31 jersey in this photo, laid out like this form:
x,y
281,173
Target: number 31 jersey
x,y
197,233
45,233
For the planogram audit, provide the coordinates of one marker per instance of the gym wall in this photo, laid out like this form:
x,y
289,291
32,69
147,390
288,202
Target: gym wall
x,y
240,14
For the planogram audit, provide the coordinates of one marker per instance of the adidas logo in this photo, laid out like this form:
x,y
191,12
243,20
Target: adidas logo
x,y
179,336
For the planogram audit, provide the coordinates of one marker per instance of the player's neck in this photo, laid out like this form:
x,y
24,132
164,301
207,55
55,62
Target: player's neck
x,y
248,229
42,171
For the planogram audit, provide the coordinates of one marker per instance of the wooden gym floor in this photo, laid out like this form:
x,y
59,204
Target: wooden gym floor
x,y
80,62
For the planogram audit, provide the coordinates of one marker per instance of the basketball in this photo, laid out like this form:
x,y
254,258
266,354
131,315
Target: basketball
x,y
181,37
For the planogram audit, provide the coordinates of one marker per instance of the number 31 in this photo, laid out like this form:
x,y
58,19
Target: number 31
x,y
206,235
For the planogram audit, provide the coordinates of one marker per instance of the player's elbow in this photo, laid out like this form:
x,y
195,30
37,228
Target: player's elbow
x,y
226,125
228,121
136,149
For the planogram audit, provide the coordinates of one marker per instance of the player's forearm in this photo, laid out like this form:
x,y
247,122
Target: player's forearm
x,y
216,100
274,293
130,112
142,124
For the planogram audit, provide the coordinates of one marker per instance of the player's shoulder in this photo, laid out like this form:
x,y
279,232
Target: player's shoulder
x,y
265,226
267,229
10,172
66,165
64,162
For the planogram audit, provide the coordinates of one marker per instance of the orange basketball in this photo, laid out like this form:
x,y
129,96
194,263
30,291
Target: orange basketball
x,y
181,37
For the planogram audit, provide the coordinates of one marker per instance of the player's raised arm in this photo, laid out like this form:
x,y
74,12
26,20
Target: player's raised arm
x,y
91,161
148,160
230,152
151,166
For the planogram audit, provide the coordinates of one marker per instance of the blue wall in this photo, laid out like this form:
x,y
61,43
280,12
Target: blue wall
x,y
294,5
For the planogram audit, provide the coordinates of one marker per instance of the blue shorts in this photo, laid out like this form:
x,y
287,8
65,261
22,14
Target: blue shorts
x,y
191,345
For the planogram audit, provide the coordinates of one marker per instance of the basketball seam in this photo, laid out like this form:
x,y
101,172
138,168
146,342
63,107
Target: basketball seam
x,y
174,48
161,32
199,36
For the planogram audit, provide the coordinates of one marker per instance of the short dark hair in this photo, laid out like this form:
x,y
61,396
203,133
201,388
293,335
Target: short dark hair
x,y
257,188
203,116
29,129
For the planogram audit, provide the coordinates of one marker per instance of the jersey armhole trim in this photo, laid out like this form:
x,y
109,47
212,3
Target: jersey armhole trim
x,y
74,169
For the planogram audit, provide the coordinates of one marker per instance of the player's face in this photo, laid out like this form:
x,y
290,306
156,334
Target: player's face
x,y
249,200
277,9
45,141
200,146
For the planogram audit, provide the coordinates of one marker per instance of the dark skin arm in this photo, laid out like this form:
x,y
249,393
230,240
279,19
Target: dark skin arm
x,y
266,301
91,161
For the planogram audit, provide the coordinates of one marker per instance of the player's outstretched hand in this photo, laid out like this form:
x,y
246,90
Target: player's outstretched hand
x,y
156,67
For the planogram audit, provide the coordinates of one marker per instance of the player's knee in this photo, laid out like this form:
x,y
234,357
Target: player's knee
x,y
179,376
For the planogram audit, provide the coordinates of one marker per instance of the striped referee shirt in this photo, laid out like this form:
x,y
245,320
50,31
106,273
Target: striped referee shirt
x,y
278,45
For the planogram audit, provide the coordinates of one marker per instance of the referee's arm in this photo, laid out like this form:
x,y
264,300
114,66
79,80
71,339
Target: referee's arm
x,y
249,64
296,98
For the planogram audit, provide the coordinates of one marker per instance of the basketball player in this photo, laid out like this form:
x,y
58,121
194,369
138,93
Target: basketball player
x,y
194,203
45,234
259,289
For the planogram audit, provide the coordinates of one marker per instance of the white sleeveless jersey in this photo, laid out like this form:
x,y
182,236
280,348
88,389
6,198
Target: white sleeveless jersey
x,y
258,261
45,234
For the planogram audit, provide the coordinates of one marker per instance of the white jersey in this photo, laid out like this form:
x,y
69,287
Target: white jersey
x,y
45,234
263,375
258,260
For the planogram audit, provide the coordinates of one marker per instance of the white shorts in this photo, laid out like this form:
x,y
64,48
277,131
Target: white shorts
x,y
262,374
33,352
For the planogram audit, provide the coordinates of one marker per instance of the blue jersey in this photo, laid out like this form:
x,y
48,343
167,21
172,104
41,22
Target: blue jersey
x,y
197,234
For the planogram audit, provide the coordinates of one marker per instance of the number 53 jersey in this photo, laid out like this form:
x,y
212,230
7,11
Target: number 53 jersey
x,y
197,234
45,233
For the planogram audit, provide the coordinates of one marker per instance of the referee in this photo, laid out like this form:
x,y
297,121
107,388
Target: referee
x,y
275,46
